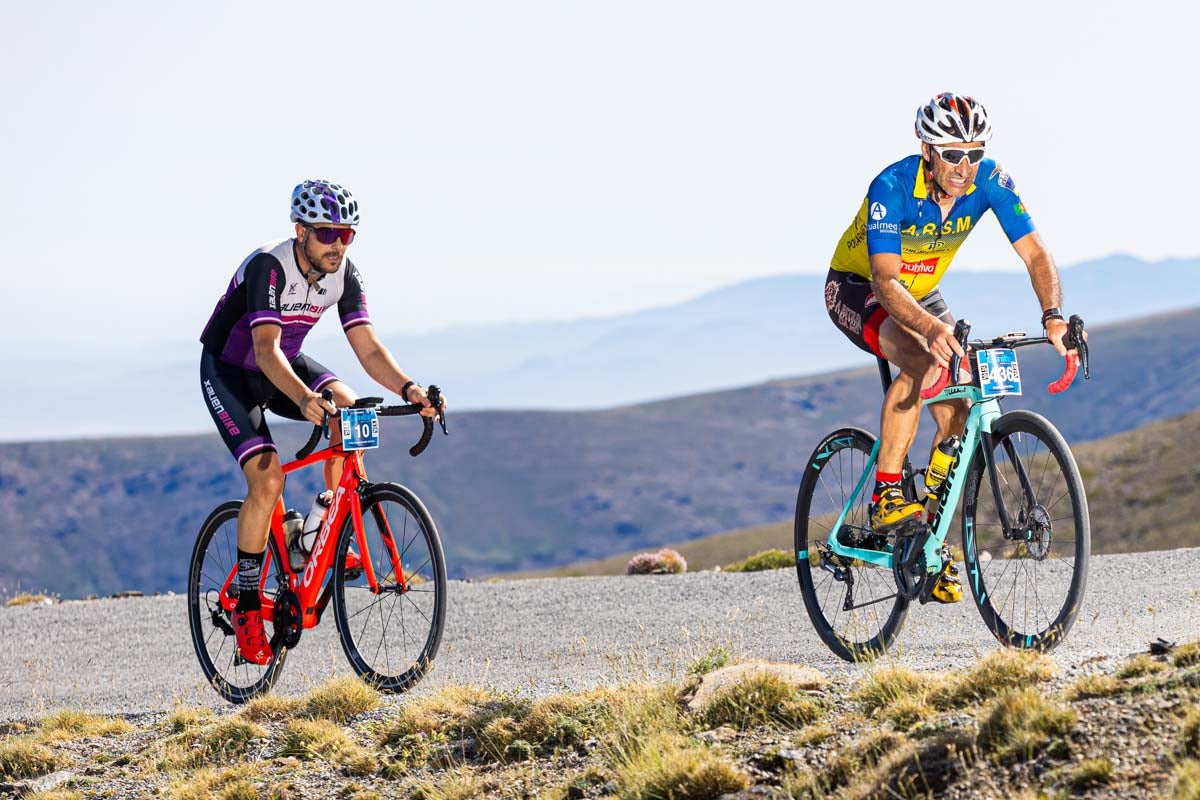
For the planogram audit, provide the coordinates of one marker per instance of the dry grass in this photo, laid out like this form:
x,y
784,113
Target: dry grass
x,y
272,708
995,674
883,686
322,739
1187,655
23,757
183,718
761,698
1187,781
78,725
666,766
1190,733
54,794
1093,686
1090,772
1140,666
208,783
27,599
341,698
1020,723
218,743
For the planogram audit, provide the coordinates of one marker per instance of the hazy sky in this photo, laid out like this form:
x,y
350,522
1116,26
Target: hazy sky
x,y
523,160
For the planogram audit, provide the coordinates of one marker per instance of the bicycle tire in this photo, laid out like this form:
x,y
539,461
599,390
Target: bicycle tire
x,y
384,615
213,556
990,553
864,633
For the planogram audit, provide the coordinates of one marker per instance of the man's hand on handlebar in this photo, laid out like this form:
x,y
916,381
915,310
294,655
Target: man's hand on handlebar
x,y
418,394
1056,329
314,408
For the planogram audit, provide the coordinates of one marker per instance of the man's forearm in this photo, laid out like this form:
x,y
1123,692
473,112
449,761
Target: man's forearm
x,y
902,307
280,374
384,370
1044,277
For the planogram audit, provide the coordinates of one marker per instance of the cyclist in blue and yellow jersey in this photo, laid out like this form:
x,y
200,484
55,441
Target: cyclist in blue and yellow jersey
x,y
882,286
252,362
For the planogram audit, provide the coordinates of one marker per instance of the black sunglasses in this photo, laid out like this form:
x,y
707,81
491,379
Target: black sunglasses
x,y
331,235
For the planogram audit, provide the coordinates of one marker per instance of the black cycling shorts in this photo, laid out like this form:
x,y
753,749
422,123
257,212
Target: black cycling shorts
x,y
236,399
855,311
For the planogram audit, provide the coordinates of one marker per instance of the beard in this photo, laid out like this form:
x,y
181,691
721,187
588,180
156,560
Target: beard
x,y
326,265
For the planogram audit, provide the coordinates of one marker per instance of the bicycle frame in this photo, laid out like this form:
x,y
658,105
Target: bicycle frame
x,y
307,583
983,413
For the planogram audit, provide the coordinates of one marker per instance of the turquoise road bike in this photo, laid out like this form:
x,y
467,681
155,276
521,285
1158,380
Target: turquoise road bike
x,y
1025,531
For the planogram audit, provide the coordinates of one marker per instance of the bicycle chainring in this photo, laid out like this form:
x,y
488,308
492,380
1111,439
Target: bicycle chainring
x,y
288,622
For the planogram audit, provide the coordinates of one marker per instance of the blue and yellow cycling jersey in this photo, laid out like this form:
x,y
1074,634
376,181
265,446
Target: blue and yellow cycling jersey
x,y
897,216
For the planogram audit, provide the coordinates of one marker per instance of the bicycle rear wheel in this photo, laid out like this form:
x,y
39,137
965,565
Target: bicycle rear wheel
x,y
857,612
1029,580
391,636
214,559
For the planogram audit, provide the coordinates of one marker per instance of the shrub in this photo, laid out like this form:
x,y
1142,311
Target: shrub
x,y
21,757
1094,686
761,698
1187,781
70,724
767,559
1190,734
341,698
1021,722
663,562
715,658
665,766
1090,772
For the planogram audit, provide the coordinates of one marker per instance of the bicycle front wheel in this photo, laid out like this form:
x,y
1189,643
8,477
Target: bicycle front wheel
x,y
214,561
390,632
853,605
1028,578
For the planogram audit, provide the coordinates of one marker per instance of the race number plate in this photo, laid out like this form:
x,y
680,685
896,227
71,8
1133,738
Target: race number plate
x,y
998,372
360,428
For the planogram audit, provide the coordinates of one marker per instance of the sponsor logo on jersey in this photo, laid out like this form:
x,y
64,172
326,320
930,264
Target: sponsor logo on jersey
x,y
292,288
831,293
1019,209
926,266
957,225
1003,179
878,211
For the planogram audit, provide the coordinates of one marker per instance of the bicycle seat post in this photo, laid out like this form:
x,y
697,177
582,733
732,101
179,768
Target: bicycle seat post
x,y
885,373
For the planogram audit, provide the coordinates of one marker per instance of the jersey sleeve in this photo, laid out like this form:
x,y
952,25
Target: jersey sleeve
x,y
884,207
1006,201
352,307
264,276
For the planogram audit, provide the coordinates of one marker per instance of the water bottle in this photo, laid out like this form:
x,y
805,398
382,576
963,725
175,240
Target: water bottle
x,y
312,523
293,525
939,468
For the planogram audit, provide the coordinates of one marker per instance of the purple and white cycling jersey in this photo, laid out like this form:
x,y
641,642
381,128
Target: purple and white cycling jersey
x,y
269,289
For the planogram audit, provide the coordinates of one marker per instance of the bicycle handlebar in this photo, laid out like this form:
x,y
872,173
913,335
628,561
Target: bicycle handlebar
x,y
1075,342
406,410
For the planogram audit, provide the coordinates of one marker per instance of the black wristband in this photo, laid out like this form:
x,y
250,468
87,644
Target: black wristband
x,y
404,391
1051,313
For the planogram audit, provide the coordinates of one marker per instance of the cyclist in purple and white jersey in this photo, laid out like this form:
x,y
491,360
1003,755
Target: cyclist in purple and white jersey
x,y
252,362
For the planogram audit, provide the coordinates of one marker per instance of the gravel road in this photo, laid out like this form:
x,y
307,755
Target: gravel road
x,y
134,656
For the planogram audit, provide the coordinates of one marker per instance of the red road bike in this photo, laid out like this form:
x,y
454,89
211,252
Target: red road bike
x,y
377,556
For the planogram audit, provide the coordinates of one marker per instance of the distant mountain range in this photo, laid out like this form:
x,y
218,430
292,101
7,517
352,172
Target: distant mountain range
x,y
735,336
529,489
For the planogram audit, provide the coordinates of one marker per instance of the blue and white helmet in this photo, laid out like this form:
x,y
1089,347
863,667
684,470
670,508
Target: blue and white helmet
x,y
953,119
319,201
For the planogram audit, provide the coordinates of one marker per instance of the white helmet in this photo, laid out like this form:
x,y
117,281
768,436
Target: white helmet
x,y
323,202
953,119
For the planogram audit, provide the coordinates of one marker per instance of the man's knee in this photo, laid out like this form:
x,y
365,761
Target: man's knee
x,y
264,477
